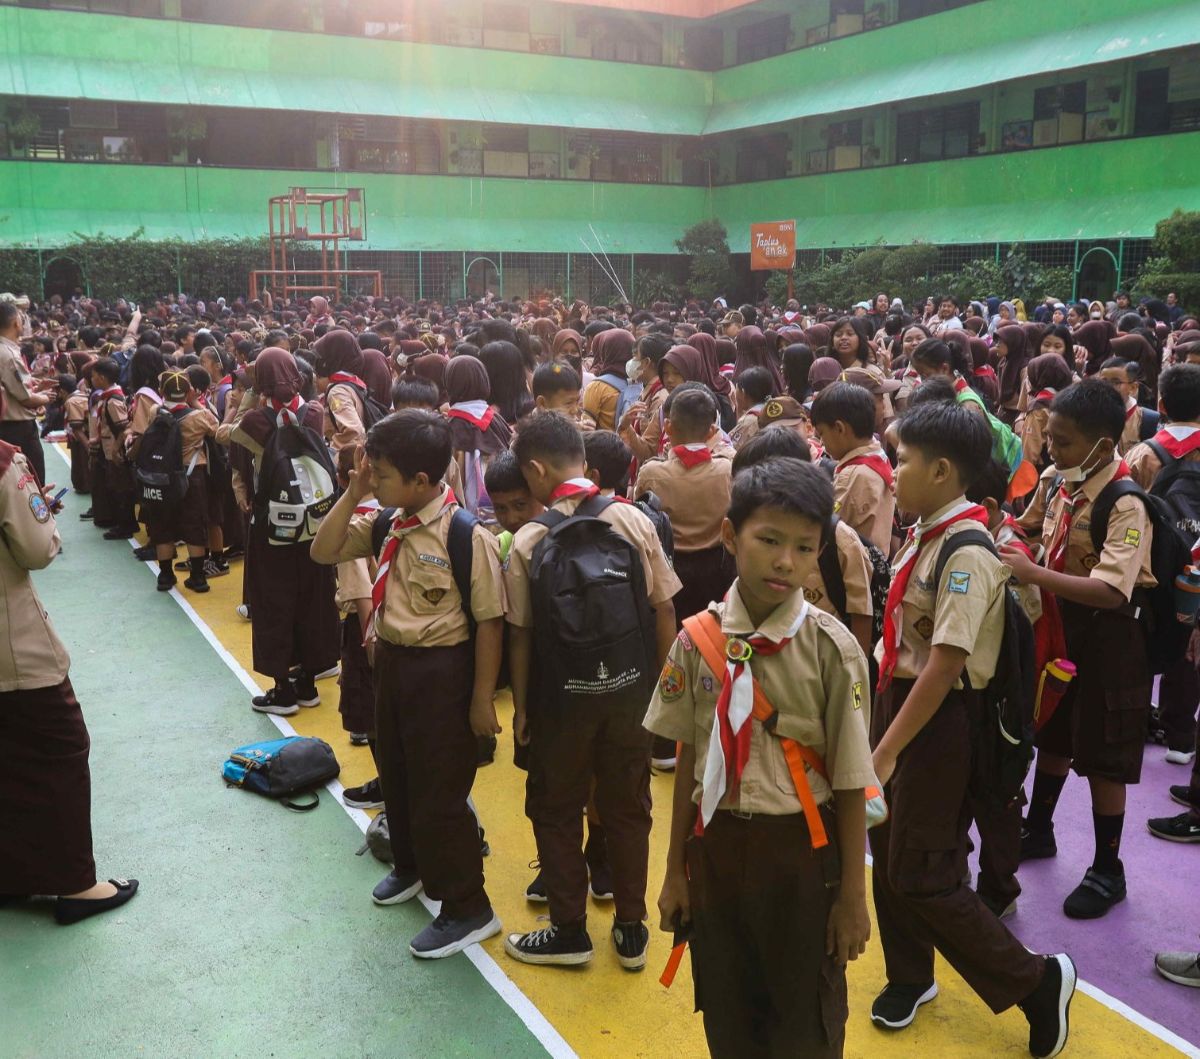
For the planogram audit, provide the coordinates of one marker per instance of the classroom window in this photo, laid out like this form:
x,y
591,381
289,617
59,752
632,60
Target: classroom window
x,y
763,39
937,133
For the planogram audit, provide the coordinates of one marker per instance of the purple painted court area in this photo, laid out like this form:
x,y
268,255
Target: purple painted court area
x,y
1162,912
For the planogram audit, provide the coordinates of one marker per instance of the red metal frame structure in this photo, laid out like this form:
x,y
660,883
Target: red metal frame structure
x,y
314,215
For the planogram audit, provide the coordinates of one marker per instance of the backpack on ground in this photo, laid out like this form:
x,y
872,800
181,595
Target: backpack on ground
x,y
378,840
460,546
1002,744
162,479
650,506
835,584
283,768
295,484
372,410
594,622
1170,551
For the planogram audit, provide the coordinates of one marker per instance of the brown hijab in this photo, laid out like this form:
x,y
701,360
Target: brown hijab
x,y
1096,337
712,377
377,374
752,352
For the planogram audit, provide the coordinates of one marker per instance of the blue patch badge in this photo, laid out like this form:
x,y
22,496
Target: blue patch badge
x,y
959,582
707,683
37,505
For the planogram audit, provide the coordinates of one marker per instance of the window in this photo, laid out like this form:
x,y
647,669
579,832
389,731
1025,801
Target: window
x,y
763,157
937,133
763,39
703,47
622,40
1060,99
910,9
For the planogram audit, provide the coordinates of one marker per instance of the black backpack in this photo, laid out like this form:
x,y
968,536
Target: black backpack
x,y
373,411
1177,485
650,506
835,584
594,621
162,480
1170,551
295,484
1002,742
1150,424
459,546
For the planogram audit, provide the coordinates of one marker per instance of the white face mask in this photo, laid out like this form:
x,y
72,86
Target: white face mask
x,y
633,369
1078,473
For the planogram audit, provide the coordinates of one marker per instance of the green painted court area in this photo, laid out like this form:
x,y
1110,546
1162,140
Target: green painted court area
x,y
253,933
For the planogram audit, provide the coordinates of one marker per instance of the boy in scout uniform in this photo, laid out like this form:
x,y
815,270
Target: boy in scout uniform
x,y
936,636
110,420
844,415
434,684
1099,727
753,870
75,414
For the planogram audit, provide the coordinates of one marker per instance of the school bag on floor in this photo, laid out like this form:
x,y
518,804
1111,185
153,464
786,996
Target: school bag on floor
x,y
283,768
162,479
377,840
296,483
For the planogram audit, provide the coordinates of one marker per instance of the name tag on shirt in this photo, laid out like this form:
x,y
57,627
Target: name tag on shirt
x,y
436,560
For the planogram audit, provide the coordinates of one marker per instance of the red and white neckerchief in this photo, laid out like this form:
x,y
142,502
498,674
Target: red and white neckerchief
x,y
815,449
876,461
398,531
226,381
1179,440
1057,553
367,506
1131,406
574,487
918,536
103,395
960,383
1047,395
693,454
183,406
478,413
153,395
289,412
729,741
346,377
1010,532
986,371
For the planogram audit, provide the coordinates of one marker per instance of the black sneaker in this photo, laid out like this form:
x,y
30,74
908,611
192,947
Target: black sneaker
x,y
359,739
568,947
1182,793
279,701
395,889
232,553
103,523
166,580
368,796
306,688
184,564
86,516
215,568
536,890
145,553
1093,897
631,941
897,1005
197,584
446,936
1048,1007
1182,828
120,533
1038,845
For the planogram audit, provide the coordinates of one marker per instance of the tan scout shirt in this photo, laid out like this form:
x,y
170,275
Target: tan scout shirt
x,y
16,382
1124,561
354,582
1033,435
31,655
1131,436
422,607
817,683
862,498
627,520
75,410
696,498
194,427
343,417
966,610
855,564
643,442
1144,465
111,412
745,428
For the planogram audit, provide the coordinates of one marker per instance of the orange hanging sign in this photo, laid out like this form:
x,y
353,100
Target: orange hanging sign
x,y
772,245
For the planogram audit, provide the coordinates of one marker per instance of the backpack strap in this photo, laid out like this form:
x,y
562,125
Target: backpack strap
x,y
831,571
460,544
962,539
705,632
1102,508
1161,454
1149,427
380,528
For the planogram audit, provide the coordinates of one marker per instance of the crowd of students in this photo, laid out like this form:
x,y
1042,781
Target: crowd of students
x,y
722,542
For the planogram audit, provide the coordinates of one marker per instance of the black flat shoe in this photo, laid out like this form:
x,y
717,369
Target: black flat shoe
x,y
72,909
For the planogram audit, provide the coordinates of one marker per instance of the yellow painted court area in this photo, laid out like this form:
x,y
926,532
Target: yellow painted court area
x,y
604,1011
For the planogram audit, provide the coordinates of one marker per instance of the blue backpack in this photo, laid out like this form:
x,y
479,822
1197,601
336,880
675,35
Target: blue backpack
x,y
281,768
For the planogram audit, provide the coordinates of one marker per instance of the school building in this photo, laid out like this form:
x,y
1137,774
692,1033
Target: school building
x,y
500,143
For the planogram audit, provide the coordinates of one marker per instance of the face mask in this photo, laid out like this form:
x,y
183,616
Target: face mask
x,y
633,368
1078,473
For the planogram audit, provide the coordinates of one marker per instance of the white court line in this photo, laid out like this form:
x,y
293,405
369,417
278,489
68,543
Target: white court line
x,y
508,991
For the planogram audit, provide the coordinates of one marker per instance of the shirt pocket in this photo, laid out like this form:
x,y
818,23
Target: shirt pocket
x,y
429,587
812,737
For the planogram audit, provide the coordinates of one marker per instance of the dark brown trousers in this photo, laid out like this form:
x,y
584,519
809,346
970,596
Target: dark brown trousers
x,y
1178,696
356,703
920,858
760,905
102,501
81,466
427,762
45,793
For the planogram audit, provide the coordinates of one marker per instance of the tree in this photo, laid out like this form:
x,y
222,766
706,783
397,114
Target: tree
x,y
710,271
1176,267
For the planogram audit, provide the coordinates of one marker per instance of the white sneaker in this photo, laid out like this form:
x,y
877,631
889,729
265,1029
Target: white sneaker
x,y
1179,757
663,764
243,610
331,672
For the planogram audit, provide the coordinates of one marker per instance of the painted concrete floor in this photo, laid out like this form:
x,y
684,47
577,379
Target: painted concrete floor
x,y
254,933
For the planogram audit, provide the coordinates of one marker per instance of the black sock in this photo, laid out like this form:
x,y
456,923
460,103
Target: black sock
x,y
196,563
1046,789
1108,842
164,566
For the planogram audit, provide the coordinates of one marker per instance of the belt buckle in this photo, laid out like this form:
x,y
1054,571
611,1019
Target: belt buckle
x,y
740,814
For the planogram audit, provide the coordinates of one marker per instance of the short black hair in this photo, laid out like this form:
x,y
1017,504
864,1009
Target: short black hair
x,y
784,484
503,475
756,383
1129,367
107,367
550,436
845,402
415,391
1093,406
692,410
609,457
1179,391
937,390
948,430
412,441
772,443
991,484
66,382
553,378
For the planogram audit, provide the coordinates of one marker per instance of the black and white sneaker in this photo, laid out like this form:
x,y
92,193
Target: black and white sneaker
x,y
536,890
1182,828
395,889
595,852
1182,793
446,936
306,688
368,796
631,941
1048,1007
332,671
359,739
279,701
215,568
897,1005
567,947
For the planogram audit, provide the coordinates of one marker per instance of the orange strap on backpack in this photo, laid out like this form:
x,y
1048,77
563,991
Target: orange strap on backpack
x,y
705,632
